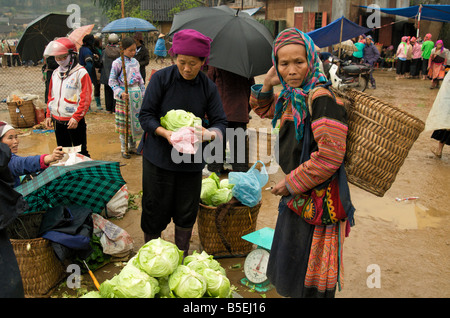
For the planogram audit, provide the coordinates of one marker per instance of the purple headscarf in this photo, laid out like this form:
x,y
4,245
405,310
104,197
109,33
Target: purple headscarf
x,y
190,42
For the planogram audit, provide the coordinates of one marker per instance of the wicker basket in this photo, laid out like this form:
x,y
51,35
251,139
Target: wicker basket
x,y
223,238
22,115
40,269
378,141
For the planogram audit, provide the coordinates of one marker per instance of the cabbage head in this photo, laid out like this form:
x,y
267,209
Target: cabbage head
x,y
225,184
178,118
200,261
134,283
221,196
158,258
164,290
209,187
187,283
107,288
92,294
218,285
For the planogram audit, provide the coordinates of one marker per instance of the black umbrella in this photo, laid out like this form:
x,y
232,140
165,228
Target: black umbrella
x,y
39,33
241,44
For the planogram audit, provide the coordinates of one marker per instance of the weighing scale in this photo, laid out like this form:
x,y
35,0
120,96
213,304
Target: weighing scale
x,y
255,265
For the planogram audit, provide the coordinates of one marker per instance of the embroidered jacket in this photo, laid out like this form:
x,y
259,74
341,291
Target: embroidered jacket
x,y
329,127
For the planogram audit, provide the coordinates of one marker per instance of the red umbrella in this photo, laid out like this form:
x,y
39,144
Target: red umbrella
x,y
78,34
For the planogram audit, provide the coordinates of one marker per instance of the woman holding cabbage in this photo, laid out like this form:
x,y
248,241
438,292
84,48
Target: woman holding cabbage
x,y
306,253
171,189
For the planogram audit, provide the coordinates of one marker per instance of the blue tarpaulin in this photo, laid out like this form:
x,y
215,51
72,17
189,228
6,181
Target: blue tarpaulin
x,y
432,12
331,33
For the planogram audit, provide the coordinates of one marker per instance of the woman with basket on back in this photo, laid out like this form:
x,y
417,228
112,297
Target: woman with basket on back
x,y
312,145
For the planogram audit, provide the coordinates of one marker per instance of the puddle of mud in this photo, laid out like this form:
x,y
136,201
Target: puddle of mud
x,y
408,214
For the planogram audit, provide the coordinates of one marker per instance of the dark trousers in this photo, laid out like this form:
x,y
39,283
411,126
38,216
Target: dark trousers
x,y
110,102
416,65
425,67
401,67
168,195
71,137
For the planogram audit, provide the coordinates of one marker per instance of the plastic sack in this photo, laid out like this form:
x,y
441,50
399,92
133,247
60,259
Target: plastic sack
x,y
118,205
439,115
248,185
114,240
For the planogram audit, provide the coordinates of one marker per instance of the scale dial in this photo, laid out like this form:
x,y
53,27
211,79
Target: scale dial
x,y
255,266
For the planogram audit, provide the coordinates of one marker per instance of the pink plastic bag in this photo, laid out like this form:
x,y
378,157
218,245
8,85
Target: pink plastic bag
x,y
185,141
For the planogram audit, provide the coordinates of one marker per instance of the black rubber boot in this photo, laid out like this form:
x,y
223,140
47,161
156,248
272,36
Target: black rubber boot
x,y
149,237
182,238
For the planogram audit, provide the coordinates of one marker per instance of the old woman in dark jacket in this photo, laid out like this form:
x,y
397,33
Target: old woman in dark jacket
x,y
371,56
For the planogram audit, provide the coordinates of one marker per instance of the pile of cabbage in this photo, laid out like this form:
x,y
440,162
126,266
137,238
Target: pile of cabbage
x,y
178,118
158,270
215,191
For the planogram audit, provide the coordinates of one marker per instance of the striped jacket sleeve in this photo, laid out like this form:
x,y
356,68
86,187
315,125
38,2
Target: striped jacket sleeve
x,y
262,103
329,127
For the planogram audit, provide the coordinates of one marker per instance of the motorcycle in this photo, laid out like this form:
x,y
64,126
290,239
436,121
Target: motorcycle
x,y
345,74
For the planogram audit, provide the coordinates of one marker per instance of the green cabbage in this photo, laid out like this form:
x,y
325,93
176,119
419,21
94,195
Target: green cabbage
x,y
158,258
225,184
187,283
200,261
92,294
221,196
215,191
209,187
134,283
107,287
178,118
218,285
131,282
164,289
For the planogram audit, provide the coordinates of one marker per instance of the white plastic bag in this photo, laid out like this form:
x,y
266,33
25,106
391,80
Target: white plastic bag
x,y
118,205
115,241
439,115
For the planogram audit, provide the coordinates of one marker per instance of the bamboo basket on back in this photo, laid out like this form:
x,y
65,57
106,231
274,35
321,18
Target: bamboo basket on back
x,y
379,139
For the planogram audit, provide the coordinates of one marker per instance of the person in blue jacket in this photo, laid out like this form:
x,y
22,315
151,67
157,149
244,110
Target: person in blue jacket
x,y
21,166
90,57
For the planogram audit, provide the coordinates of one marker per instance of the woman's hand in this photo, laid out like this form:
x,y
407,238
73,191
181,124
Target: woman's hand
x,y
280,188
124,96
167,134
73,124
204,134
57,154
271,80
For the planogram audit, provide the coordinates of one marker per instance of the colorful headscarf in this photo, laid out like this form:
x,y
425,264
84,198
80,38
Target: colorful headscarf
x,y
427,37
405,46
297,96
441,42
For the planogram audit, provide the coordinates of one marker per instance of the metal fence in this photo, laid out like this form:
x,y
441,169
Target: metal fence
x,y
24,79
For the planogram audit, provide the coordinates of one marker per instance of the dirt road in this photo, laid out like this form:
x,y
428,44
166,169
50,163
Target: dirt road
x,y
405,243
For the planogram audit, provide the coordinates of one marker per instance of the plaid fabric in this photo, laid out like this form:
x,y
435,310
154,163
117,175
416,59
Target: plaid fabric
x,y
90,184
296,96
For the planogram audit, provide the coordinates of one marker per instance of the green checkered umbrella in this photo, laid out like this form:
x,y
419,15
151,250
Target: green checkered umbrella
x,y
90,184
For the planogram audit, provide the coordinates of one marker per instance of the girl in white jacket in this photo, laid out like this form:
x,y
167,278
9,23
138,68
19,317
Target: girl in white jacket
x,y
69,96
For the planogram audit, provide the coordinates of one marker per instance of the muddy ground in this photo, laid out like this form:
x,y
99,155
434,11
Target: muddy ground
x,y
407,242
